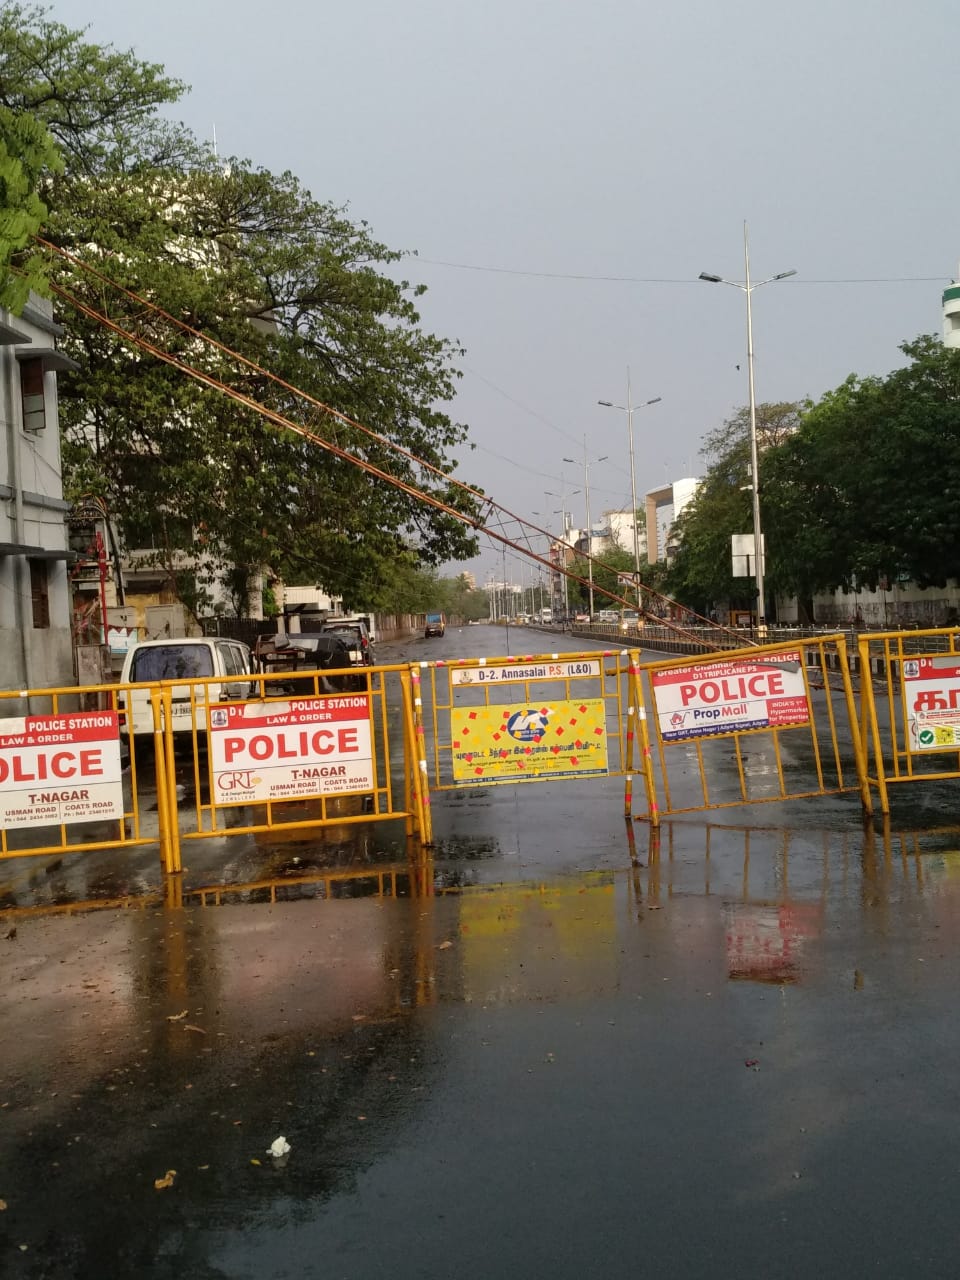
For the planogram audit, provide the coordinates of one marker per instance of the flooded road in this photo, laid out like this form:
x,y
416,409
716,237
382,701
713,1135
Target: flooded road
x,y
556,1046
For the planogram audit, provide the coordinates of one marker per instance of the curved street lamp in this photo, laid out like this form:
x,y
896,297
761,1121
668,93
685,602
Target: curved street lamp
x,y
747,287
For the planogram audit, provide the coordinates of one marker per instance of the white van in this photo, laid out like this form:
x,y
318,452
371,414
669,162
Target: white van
x,y
186,658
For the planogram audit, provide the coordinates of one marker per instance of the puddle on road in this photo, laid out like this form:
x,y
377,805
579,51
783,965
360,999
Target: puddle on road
x,y
414,1033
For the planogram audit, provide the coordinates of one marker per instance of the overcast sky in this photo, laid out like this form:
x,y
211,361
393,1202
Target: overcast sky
x,y
604,139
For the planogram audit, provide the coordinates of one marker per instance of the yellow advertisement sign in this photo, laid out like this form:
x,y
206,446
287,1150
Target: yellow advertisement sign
x,y
508,743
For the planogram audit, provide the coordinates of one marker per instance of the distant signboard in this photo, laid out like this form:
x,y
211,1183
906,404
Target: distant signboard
x,y
60,769
288,750
534,670
932,690
726,697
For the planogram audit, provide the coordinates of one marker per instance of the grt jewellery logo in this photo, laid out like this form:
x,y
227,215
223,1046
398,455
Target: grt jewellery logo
x,y
529,726
241,780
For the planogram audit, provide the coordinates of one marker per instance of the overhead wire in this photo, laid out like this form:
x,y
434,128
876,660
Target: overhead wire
x,y
207,379
610,279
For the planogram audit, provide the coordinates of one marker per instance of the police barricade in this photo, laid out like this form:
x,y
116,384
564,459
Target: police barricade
x,y
910,707
751,726
338,750
530,718
63,788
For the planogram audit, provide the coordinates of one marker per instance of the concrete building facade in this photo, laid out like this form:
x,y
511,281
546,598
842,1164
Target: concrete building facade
x,y
36,648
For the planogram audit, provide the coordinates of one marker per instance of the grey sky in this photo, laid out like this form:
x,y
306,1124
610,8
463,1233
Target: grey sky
x,y
605,139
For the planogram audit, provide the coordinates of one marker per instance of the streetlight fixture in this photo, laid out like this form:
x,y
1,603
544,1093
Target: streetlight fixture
x,y
745,286
628,408
586,486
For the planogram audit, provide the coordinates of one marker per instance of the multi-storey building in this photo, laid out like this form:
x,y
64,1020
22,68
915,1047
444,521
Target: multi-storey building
x,y
35,635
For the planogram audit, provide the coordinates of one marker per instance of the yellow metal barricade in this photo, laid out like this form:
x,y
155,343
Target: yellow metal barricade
x,y
750,726
340,751
532,718
910,707
64,787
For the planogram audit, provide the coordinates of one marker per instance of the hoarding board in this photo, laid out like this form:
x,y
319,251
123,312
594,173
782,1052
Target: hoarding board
x,y
727,697
932,690
512,742
264,751
60,769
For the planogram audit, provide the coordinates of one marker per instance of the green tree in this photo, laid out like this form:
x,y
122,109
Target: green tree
x,y
27,153
867,488
609,565
285,279
700,575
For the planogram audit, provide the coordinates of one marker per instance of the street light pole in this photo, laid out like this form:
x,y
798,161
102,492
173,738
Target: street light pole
x,y
586,489
629,407
562,495
758,557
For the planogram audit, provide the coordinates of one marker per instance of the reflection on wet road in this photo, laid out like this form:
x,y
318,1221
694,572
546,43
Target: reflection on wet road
x,y
556,1046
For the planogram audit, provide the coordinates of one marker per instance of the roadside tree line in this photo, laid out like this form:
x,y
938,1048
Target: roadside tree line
x,y
857,489
235,250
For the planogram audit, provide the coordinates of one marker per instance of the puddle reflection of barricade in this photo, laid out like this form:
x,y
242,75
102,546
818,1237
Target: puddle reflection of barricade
x,y
413,879
776,886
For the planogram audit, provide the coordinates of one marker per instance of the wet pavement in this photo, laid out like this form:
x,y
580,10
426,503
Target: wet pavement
x,y
554,1046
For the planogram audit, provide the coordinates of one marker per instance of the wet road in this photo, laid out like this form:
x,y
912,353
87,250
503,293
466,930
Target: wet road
x,y
554,1047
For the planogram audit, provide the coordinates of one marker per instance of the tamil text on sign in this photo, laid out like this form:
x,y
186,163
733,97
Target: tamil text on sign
x,y
517,741
932,690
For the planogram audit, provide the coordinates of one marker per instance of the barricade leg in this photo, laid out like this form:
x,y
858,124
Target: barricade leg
x,y
631,735
160,771
646,756
413,713
175,864
859,752
629,762
873,726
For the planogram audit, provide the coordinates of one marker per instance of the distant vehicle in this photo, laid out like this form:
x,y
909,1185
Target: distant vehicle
x,y
545,615
356,638
367,619
607,615
228,664
629,618
473,622
581,617
436,625
302,660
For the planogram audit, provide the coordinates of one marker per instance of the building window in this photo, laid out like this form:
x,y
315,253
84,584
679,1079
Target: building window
x,y
31,392
39,593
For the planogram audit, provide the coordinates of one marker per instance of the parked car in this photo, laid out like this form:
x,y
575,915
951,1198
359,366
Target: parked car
x,y
355,636
299,657
227,664
607,615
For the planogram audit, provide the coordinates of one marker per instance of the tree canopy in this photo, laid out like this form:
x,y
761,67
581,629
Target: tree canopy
x,y
287,280
866,490
857,490
701,572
